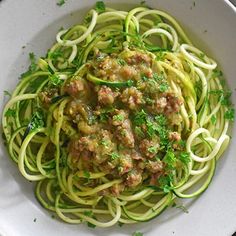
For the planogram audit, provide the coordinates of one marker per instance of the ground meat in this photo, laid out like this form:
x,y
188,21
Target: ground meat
x,y
139,58
155,166
136,155
174,136
148,148
85,128
118,117
134,178
128,72
167,103
173,103
76,110
117,189
161,104
106,96
124,134
46,96
78,146
132,97
75,87
155,177
125,165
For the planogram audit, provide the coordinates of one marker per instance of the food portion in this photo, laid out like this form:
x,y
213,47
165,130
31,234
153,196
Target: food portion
x,y
121,117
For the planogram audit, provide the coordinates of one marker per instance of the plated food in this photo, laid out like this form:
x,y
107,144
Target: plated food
x,y
122,116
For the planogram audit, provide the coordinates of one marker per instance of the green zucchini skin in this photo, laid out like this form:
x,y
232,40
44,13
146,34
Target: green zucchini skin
x,y
98,81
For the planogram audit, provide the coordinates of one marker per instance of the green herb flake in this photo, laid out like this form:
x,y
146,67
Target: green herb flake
x,y
118,117
55,80
105,143
158,77
137,234
88,213
6,93
10,113
213,119
229,114
217,73
138,131
183,208
120,224
32,67
140,117
152,149
35,219
121,62
161,120
114,155
86,174
184,157
100,7
144,78
54,55
61,2
163,87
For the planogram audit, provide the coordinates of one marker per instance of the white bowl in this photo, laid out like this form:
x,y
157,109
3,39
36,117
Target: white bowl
x,y
31,25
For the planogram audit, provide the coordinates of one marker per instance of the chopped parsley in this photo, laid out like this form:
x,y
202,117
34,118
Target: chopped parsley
x,y
213,119
118,117
121,62
152,149
183,208
217,73
61,2
100,7
114,155
32,67
140,118
54,55
163,87
229,114
6,93
105,143
55,80
86,174
138,131
10,113
137,234
184,157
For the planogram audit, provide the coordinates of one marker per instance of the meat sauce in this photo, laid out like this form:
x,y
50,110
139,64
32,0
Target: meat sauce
x,y
113,125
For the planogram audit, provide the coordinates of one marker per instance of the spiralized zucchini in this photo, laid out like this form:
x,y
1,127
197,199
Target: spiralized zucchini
x,y
191,74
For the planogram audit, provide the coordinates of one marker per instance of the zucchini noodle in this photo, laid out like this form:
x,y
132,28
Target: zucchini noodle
x,y
38,132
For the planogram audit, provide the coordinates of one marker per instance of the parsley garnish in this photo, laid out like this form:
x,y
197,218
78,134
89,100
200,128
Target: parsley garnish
x,y
183,208
217,73
90,214
118,117
6,93
213,119
32,67
60,2
163,87
229,114
184,157
86,174
140,117
152,149
139,132
114,155
55,80
100,7
137,234
121,62
54,55
10,113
